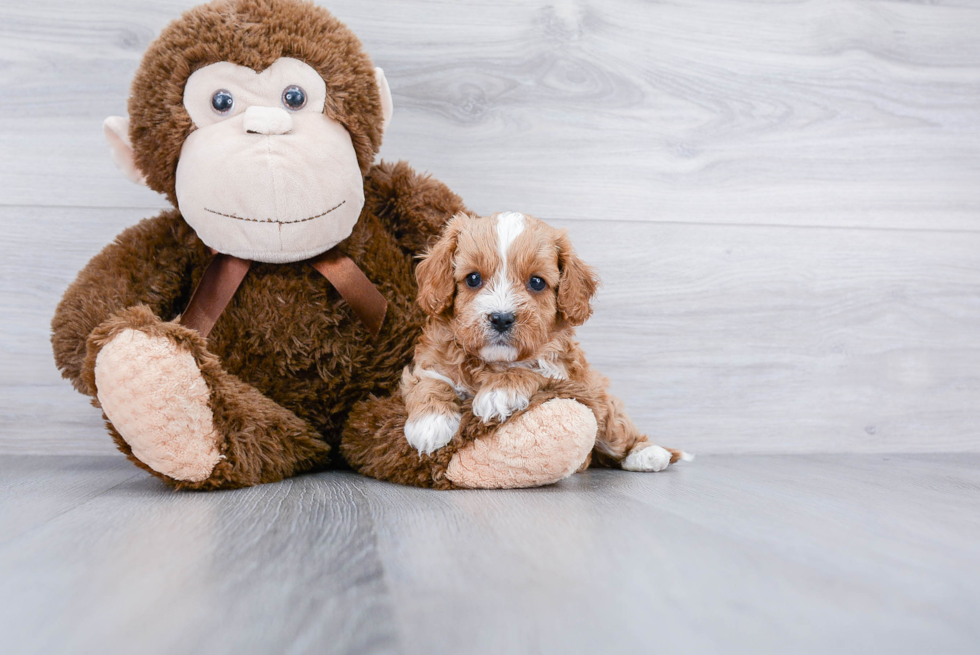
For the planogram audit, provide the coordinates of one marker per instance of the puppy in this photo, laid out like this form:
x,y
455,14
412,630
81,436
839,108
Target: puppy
x,y
503,295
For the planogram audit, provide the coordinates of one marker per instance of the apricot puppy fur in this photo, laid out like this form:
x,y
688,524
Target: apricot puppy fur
x,y
503,295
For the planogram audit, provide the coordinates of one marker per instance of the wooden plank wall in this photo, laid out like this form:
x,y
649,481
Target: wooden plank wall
x,y
783,197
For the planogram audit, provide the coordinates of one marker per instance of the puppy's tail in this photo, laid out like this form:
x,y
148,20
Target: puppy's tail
x,y
679,456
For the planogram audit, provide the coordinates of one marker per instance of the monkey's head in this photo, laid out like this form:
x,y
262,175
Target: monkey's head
x,y
258,120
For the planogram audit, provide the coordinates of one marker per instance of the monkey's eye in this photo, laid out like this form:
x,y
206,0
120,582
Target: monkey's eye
x,y
222,101
536,283
294,97
473,280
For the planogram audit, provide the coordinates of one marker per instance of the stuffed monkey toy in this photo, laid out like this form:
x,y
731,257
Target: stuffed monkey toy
x,y
227,340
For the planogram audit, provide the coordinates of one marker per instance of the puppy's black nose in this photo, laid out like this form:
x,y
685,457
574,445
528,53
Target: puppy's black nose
x,y
501,322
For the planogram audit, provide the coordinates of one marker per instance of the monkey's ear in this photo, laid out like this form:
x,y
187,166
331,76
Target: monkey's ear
x,y
116,130
386,105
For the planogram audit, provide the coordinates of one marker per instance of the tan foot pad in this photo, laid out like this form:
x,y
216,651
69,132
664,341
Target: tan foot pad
x,y
539,447
156,398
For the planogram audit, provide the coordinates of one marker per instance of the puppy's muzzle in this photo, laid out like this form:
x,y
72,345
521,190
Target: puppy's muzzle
x,y
501,322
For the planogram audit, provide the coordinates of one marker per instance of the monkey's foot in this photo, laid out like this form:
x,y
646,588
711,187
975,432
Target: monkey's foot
x,y
541,446
152,391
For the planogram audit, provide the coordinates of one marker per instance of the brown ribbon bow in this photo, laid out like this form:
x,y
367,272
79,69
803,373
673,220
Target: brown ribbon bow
x,y
225,273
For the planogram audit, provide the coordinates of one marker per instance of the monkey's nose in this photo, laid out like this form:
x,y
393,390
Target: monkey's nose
x,y
267,120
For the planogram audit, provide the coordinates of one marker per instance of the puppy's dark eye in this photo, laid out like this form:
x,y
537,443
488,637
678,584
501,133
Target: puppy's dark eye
x,y
294,97
536,283
222,101
473,280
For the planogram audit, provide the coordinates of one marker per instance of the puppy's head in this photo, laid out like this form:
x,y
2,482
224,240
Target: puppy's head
x,y
505,284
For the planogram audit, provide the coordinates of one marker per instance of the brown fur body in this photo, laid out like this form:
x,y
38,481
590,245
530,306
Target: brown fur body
x,y
287,359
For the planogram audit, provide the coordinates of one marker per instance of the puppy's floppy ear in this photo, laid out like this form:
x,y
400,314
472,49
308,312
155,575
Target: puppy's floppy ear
x,y
437,283
576,285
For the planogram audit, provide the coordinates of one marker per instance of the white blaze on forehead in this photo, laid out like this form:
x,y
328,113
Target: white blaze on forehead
x,y
499,295
509,227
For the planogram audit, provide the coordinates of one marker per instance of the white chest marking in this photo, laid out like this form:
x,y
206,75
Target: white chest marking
x,y
550,369
546,367
461,390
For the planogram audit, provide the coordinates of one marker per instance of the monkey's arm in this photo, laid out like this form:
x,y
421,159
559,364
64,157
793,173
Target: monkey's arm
x,y
148,264
413,206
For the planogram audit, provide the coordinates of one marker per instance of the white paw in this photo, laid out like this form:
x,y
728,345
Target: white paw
x,y
498,403
430,432
651,458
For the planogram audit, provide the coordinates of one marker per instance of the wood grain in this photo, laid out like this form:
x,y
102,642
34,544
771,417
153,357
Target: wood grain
x,y
34,491
770,339
719,338
289,568
735,554
713,557
828,112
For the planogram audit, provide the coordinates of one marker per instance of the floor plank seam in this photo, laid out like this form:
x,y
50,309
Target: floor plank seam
x,y
6,545
385,572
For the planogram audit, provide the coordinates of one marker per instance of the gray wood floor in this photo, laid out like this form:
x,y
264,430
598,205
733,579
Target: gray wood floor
x,y
731,554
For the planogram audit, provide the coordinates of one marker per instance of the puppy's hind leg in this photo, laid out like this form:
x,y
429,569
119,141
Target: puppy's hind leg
x,y
619,442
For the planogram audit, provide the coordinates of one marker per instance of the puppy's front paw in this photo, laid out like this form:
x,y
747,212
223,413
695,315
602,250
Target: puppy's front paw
x,y
498,403
651,458
428,433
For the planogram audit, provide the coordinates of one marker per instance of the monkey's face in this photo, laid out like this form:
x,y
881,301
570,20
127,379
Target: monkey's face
x,y
257,118
266,175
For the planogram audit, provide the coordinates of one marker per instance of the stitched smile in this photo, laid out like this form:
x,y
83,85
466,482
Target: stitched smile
x,y
270,220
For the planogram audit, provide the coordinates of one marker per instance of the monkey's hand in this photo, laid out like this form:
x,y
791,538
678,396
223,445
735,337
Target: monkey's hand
x,y
146,265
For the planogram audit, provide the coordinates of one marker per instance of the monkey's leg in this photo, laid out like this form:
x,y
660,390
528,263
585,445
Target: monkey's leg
x,y
540,445
174,411
375,445
545,443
